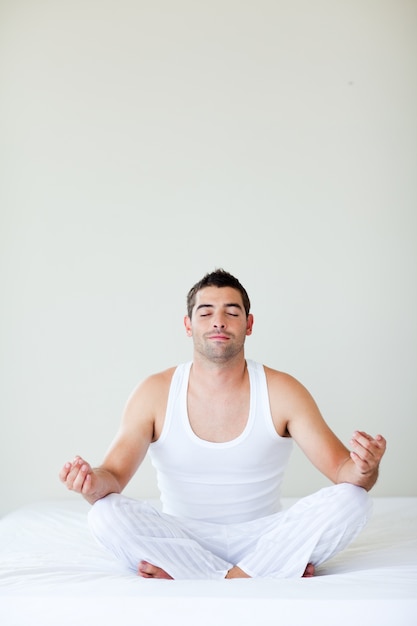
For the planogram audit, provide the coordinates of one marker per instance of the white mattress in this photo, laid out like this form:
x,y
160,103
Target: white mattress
x,y
53,573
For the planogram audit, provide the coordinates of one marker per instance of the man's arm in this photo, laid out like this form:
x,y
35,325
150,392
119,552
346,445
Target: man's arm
x,y
128,449
293,405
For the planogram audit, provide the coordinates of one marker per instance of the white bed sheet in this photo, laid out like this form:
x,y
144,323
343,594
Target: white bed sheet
x,y
53,572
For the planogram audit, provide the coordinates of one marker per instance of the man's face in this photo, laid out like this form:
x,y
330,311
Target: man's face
x,y
218,324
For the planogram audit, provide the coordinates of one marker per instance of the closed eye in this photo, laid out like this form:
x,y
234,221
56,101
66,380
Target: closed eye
x,y
233,310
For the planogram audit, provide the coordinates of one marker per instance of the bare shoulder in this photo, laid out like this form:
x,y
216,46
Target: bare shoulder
x,y
158,381
281,382
146,406
152,389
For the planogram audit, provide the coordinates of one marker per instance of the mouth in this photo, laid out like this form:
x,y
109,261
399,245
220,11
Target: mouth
x,y
219,337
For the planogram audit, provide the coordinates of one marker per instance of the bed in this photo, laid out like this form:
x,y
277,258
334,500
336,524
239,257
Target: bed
x,y
53,573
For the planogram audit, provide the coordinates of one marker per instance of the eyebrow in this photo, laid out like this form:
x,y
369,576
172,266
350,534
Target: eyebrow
x,y
225,306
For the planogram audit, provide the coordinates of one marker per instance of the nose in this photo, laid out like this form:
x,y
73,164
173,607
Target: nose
x,y
219,322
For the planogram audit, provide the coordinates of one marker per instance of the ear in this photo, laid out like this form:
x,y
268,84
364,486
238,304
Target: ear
x,y
249,324
187,324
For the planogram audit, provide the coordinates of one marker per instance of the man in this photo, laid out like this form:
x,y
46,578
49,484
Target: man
x,y
219,430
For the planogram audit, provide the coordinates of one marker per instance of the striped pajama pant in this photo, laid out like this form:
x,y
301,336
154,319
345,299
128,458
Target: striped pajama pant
x,y
277,546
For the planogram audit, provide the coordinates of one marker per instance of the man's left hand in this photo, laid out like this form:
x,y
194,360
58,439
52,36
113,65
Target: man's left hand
x,y
367,451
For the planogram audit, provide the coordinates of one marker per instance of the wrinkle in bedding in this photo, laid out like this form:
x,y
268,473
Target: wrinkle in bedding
x,y
46,548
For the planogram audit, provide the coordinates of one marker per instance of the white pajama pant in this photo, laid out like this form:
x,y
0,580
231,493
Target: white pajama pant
x,y
277,546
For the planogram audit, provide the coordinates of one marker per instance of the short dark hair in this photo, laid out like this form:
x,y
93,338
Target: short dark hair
x,y
218,278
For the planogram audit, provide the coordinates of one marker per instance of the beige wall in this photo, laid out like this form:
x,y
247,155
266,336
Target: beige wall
x,y
145,143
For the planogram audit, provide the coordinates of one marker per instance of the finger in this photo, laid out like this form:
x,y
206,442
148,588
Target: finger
x,y
87,486
361,464
359,445
381,442
363,443
64,472
362,433
367,451
368,447
363,458
73,473
78,482
362,438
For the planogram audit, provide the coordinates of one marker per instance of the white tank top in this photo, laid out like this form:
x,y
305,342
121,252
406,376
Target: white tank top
x,y
234,481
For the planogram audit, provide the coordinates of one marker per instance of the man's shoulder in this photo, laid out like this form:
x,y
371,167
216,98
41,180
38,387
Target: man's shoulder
x,y
278,377
152,391
163,377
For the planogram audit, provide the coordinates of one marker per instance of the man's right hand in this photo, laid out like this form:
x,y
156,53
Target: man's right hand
x,y
78,476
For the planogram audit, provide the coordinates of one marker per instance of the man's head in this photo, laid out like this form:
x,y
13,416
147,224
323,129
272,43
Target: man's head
x,y
218,278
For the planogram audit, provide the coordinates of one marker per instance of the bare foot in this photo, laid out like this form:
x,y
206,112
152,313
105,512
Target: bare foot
x,y
236,572
147,570
309,571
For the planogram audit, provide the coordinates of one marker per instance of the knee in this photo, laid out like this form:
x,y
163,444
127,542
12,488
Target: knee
x,y
354,498
105,504
102,512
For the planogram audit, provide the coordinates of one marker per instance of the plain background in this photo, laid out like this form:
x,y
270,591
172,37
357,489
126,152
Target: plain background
x,y
144,144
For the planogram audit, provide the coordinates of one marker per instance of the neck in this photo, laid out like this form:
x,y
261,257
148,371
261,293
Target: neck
x,y
231,370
